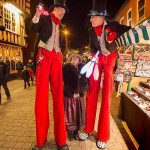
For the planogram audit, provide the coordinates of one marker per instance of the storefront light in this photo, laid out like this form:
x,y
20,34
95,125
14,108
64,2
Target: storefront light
x,y
12,8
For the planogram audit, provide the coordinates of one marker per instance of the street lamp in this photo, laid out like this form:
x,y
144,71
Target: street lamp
x,y
66,39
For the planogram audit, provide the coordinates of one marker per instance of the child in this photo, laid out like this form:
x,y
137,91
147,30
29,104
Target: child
x,y
74,87
25,76
31,75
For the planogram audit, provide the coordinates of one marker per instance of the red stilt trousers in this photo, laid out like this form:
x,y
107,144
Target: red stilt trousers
x,y
48,71
106,64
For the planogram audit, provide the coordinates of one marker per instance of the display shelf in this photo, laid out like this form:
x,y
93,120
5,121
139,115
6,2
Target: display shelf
x,y
141,94
145,84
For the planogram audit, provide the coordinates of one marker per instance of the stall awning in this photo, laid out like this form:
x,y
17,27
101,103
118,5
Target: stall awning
x,y
136,35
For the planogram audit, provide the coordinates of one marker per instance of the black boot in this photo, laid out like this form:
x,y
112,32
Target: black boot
x,y
64,147
70,135
76,135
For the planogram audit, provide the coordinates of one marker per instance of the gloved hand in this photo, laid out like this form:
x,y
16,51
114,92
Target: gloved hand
x,y
110,36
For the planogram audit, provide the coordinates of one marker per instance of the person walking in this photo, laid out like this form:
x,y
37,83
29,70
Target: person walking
x,y
49,70
25,77
4,73
75,85
102,37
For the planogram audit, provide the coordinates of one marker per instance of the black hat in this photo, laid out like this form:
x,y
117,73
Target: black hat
x,y
59,3
99,8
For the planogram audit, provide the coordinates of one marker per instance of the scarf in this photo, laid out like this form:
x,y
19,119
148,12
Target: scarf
x,y
98,30
55,19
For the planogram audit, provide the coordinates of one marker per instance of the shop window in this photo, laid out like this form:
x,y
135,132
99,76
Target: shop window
x,y
122,20
129,18
1,10
9,20
141,8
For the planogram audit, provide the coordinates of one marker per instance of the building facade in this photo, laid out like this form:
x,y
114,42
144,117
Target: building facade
x,y
13,39
133,12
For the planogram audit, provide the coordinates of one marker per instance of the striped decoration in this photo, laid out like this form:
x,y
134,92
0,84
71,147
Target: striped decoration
x,y
135,35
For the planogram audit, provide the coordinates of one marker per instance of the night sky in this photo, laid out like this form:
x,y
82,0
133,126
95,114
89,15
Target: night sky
x,y
77,21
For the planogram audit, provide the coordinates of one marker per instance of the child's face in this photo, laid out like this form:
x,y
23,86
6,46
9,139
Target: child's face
x,y
25,68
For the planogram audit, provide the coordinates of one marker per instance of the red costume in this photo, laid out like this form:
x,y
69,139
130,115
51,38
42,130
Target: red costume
x,y
49,71
102,39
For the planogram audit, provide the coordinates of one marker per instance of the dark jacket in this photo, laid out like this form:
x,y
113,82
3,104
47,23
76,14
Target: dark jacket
x,y
25,75
30,65
114,27
4,73
43,29
19,66
73,81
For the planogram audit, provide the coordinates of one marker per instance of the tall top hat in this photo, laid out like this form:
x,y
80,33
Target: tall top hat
x,y
59,3
99,8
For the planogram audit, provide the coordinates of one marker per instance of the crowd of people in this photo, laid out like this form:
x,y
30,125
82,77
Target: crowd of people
x,y
24,72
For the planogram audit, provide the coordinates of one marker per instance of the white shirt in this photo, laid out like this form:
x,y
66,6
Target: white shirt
x,y
53,41
101,40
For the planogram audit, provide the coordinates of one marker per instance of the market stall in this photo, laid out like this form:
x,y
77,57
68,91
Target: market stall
x,y
133,64
133,84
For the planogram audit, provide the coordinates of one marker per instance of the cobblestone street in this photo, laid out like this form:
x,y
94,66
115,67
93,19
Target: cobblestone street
x,y
17,123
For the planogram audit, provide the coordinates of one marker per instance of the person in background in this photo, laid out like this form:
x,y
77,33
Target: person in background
x,y
74,87
8,64
4,73
102,37
31,74
25,77
19,67
49,61
30,64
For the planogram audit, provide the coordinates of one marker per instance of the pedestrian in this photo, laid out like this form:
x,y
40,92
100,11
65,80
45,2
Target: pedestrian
x,y
74,87
4,73
102,37
49,69
31,74
30,64
19,67
25,77
8,64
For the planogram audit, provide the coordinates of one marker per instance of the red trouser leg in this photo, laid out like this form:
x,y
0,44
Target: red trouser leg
x,y
56,82
44,72
91,103
103,134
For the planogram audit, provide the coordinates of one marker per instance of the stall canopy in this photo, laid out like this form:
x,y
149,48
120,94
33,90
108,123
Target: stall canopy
x,y
136,35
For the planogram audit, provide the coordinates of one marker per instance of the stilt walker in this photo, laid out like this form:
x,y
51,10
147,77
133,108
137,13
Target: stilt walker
x,y
48,58
103,48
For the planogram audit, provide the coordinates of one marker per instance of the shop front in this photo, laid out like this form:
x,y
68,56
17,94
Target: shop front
x,y
11,54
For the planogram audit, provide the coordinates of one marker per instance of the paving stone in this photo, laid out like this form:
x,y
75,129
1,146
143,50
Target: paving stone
x,y
17,123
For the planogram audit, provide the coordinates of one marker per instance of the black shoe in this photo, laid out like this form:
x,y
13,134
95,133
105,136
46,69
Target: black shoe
x,y
36,148
76,135
64,147
70,135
